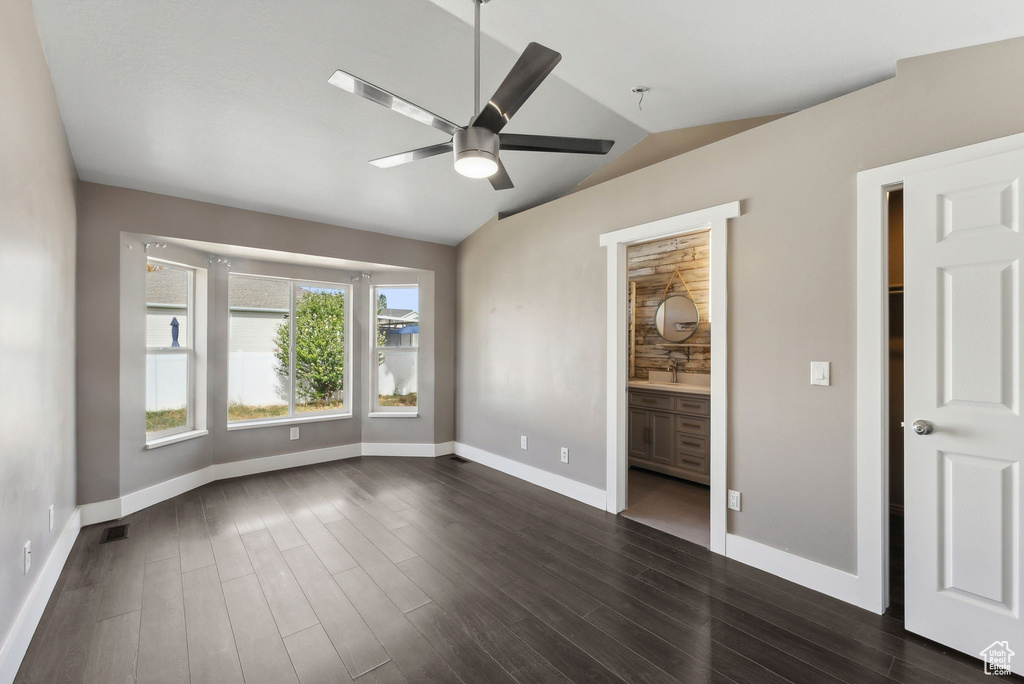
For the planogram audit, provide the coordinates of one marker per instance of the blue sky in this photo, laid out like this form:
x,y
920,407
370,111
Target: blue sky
x,y
401,297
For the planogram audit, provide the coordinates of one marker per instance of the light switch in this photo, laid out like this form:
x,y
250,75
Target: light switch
x,y
820,371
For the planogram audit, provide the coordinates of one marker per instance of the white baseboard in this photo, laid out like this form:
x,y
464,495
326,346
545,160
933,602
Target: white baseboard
x,y
415,450
542,478
808,573
13,650
112,509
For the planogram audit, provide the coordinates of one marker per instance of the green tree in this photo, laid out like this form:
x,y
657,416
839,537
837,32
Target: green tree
x,y
319,346
382,303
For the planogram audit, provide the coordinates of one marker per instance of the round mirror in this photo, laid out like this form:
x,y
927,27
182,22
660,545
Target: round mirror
x,y
677,318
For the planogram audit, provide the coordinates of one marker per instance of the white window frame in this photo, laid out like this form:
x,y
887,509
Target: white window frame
x,y
189,349
376,410
310,416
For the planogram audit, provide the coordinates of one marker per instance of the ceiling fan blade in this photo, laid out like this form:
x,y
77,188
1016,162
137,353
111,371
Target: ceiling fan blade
x,y
411,155
366,90
553,143
529,72
500,180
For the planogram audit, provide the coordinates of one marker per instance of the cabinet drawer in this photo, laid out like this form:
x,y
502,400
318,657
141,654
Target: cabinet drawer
x,y
692,426
697,464
693,445
700,406
654,401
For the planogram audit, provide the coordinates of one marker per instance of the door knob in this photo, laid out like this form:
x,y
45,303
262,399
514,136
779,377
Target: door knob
x,y
923,427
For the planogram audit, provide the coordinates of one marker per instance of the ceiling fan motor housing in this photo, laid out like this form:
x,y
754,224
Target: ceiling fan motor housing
x,y
476,152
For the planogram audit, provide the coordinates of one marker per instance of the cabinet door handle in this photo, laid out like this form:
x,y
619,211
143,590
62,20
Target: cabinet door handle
x,y
692,444
691,461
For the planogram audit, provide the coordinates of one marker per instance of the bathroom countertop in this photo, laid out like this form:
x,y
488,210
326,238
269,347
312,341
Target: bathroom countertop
x,y
677,387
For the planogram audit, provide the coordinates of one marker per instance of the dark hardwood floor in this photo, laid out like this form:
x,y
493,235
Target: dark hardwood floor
x,y
432,570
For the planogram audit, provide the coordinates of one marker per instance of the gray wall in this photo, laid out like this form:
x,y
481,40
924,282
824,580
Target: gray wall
x,y
37,313
531,293
110,433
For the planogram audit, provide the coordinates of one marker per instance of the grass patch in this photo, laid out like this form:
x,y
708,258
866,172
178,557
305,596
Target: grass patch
x,y
239,412
327,406
397,399
156,421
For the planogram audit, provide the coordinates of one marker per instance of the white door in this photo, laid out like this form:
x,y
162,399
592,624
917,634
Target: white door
x,y
963,514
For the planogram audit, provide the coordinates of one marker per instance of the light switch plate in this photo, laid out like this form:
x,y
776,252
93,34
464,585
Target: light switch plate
x,y
523,442
820,372
51,517
28,556
293,433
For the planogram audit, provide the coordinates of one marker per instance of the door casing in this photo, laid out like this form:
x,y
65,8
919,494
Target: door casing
x,y
715,219
872,357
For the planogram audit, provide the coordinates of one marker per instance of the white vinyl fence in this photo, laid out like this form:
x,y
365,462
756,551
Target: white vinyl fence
x,y
166,381
253,380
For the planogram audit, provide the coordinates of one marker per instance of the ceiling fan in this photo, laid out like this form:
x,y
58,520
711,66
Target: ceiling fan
x,y
476,146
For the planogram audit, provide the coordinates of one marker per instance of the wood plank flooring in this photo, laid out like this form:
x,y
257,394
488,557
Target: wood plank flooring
x,y
433,570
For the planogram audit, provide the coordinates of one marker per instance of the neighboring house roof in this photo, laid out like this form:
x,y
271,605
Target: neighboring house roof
x,y
257,293
399,314
166,287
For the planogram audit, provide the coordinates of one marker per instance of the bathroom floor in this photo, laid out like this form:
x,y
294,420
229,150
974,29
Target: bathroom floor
x,y
678,507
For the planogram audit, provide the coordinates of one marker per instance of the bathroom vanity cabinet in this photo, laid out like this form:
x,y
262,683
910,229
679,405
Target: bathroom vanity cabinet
x,y
669,432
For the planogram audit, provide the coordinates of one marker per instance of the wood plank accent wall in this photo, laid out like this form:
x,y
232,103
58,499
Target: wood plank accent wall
x,y
650,265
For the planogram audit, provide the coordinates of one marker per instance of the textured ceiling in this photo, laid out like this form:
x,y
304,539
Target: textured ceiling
x,y
718,61
228,102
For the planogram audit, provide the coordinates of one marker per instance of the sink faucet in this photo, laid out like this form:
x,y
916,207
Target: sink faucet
x,y
673,366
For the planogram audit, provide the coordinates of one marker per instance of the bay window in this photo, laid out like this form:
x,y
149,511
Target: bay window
x,y
170,349
394,363
288,350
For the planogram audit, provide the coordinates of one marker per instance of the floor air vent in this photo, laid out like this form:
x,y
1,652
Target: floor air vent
x,y
115,533
458,459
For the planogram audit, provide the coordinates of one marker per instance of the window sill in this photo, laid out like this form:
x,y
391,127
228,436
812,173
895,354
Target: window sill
x,y
275,422
174,439
393,414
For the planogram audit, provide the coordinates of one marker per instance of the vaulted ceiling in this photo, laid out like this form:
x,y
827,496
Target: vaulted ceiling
x,y
228,101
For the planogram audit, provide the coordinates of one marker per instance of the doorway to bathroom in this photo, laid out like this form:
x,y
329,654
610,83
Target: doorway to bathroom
x,y
671,412
669,385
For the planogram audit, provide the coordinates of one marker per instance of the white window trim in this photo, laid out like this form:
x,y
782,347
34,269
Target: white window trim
x,y
163,436
375,409
309,417
175,438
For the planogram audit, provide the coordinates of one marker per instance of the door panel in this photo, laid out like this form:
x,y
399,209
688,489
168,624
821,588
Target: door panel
x,y
963,248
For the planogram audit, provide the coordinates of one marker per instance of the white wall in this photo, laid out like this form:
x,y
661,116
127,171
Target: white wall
x,y
37,311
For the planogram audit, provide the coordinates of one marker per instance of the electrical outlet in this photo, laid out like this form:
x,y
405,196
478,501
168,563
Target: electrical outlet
x,y
565,454
28,556
734,500
51,517
523,443
293,433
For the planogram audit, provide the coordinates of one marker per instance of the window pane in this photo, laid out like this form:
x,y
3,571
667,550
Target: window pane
x,y
396,378
258,348
166,391
398,316
166,305
319,349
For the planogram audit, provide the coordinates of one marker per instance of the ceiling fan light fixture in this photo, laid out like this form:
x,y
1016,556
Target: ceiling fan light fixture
x,y
476,152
